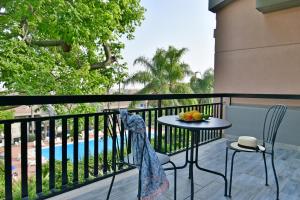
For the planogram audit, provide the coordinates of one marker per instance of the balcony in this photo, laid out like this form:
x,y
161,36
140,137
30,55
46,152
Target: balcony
x,y
78,162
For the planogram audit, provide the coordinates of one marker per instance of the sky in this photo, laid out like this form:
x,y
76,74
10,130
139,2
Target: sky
x,y
181,23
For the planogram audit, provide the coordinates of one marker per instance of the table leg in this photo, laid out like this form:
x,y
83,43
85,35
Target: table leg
x,y
191,171
210,171
186,158
196,139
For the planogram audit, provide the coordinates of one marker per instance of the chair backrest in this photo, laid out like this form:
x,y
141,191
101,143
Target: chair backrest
x,y
123,144
272,122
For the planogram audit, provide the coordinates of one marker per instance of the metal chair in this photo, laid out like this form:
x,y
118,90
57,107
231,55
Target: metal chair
x,y
129,161
272,122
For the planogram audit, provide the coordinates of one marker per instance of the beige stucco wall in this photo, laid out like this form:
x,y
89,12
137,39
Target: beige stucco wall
x,y
256,52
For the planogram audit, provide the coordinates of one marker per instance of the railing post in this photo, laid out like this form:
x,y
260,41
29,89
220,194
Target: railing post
x,y
64,167
7,161
221,115
114,142
86,147
155,129
52,154
159,138
75,150
38,155
221,105
24,163
105,146
122,145
96,145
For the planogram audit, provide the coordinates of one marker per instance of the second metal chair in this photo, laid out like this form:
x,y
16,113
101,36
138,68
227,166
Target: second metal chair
x,y
272,122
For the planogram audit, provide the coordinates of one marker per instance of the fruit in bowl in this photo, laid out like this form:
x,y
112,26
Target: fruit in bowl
x,y
193,115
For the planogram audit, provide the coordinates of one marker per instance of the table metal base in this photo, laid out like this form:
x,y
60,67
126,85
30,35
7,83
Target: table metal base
x,y
194,160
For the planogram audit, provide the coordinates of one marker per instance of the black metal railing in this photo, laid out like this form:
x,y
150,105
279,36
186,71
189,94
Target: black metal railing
x,y
93,158
63,172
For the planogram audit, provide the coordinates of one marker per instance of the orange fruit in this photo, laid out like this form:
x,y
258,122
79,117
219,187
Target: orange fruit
x,y
197,116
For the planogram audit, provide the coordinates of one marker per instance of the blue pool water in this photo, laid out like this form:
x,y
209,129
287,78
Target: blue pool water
x,y
70,149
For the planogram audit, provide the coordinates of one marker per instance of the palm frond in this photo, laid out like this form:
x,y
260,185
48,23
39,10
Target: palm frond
x,y
181,52
204,84
139,77
144,62
186,69
164,73
181,88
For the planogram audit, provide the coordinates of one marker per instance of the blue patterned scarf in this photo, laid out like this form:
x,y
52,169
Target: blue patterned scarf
x,y
153,178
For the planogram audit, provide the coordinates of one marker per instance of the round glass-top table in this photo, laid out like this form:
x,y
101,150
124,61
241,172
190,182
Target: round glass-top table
x,y
196,129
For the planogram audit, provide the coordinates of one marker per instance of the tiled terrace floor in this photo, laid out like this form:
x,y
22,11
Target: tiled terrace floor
x,y
248,182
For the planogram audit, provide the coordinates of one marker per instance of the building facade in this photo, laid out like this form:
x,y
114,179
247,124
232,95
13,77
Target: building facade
x,y
257,50
257,47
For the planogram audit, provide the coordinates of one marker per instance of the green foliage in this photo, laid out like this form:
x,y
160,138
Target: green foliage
x,y
164,74
203,84
17,188
52,47
2,179
31,137
7,114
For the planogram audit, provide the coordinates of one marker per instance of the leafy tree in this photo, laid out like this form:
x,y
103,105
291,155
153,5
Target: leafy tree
x,y
6,114
2,178
163,74
204,83
64,46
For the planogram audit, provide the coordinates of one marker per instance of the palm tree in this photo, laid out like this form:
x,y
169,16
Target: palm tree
x,y
204,83
163,74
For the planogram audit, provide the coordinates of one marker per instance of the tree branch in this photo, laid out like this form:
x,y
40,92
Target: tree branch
x,y
51,43
109,59
43,43
24,28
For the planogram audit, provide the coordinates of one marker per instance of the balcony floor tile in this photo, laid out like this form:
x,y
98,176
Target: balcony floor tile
x,y
248,181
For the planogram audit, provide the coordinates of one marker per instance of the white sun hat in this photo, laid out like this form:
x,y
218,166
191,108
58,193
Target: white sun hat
x,y
247,143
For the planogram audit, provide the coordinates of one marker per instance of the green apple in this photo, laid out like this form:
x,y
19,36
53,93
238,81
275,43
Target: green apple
x,y
181,115
205,116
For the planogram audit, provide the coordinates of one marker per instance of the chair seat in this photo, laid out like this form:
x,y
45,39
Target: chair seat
x,y
228,143
163,158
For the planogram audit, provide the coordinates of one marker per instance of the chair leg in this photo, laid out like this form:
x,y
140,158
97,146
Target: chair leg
x,y
110,187
266,169
139,184
231,171
276,179
175,179
226,163
226,160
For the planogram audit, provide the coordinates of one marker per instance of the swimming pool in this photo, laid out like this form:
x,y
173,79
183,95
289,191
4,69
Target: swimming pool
x,y
70,149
